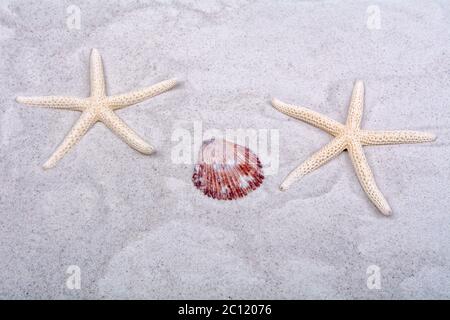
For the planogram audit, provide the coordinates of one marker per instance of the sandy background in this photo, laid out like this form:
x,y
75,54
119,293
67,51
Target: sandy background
x,y
136,226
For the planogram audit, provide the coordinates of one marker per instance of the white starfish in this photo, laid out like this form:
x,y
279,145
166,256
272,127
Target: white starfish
x,y
98,107
348,137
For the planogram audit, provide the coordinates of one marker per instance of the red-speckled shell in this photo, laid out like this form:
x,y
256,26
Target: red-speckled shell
x,y
226,171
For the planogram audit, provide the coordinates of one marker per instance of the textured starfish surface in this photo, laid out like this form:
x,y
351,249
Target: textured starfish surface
x,y
351,137
98,107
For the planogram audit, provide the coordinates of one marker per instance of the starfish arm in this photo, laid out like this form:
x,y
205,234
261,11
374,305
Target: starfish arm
x,y
128,99
366,178
355,109
314,118
86,120
331,150
98,88
56,102
395,137
113,122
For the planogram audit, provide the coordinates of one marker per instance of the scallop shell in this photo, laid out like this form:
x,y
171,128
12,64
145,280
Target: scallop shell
x,y
226,171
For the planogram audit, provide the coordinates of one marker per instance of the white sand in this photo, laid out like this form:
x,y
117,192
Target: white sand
x,y
136,226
